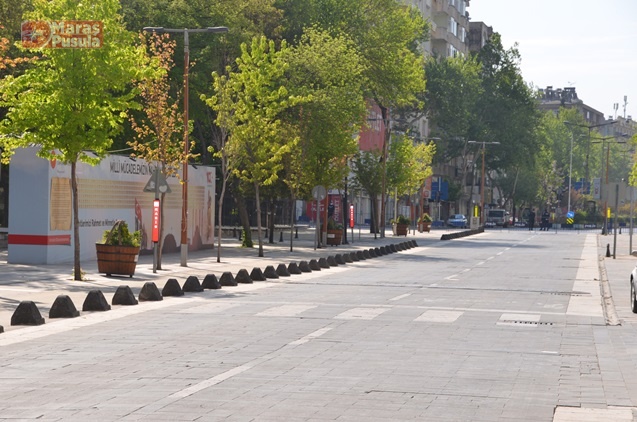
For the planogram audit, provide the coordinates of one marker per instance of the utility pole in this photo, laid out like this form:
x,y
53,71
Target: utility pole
x,y
484,144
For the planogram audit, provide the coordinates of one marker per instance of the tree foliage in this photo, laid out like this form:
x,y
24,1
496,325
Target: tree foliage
x,y
72,102
328,71
250,103
158,133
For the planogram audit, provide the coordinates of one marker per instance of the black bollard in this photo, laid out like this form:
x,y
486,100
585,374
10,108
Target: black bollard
x,y
296,232
608,250
281,237
240,233
234,232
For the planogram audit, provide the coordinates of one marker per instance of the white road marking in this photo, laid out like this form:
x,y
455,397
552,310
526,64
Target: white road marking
x,y
310,336
439,316
575,414
286,310
361,313
401,296
532,319
21,289
210,308
88,319
214,380
587,280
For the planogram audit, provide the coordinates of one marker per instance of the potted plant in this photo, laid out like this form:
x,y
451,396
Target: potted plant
x,y
118,251
402,225
424,223
334,232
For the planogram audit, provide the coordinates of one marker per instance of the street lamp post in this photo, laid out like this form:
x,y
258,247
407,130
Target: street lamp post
x,y
184,186
484,144
601,195
590,128
570,166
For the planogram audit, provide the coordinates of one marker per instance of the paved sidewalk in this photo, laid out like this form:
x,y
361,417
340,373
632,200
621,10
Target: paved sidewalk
x,y
43,283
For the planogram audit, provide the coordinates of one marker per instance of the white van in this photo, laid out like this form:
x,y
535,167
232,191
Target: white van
x,y
497,217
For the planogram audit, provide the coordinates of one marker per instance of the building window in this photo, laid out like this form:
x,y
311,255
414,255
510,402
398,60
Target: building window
x,y
453,26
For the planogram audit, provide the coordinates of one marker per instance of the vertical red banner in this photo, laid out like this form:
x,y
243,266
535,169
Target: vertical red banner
x,y
351,216
156,217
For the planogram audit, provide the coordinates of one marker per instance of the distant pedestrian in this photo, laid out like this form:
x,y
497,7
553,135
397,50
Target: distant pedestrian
x,y
532,219
545,220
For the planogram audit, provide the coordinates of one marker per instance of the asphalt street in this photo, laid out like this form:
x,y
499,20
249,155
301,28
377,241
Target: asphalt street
x,y
499,326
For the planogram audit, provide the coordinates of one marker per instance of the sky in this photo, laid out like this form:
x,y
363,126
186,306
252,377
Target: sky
x,y
587,44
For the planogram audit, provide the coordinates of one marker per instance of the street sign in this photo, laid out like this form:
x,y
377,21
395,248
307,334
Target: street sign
x,y
351,216
570,214
157,183
319,192
156,218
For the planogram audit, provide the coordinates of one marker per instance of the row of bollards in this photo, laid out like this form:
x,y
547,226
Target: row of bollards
x,y
27,312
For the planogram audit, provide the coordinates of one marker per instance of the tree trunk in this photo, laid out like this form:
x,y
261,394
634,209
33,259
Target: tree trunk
x,y
160,244
258,199
271,208
383,193
374,210
220,208
243,213
292,219
77,270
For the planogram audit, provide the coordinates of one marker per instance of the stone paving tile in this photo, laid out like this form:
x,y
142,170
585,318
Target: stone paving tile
x,y
421,359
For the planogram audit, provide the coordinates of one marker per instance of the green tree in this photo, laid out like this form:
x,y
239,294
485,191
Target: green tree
x,y
453,88
368,176
72,100
328,71
387,35
506,111
250,104
158,134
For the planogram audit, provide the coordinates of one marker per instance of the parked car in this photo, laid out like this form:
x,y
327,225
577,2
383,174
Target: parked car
x,y
633,290
457,220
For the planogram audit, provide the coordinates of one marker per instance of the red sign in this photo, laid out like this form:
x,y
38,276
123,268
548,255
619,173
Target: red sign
x,y
156,220
333,199
351,216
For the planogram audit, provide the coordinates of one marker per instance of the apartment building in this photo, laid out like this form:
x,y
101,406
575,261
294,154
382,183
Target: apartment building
x,y
449,26
551,99
479,35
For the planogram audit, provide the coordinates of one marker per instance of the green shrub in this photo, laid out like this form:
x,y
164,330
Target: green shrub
x,y
403,220
425,218
119,235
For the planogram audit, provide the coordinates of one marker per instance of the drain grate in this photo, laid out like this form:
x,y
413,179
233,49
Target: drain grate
x,y
566,293
519,322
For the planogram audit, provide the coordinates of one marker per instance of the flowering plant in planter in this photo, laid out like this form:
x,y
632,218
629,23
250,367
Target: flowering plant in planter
x,y
425,218
118,252
403,220
119,235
